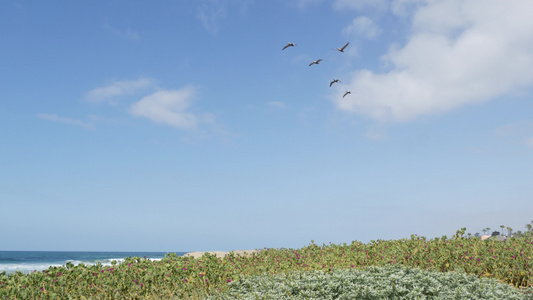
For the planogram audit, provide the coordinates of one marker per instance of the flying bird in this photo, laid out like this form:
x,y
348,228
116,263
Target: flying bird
x,y
288,45
347,92
343,47
315,62
334,81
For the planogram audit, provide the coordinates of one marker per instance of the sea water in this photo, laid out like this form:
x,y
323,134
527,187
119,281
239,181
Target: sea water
x,y
29,261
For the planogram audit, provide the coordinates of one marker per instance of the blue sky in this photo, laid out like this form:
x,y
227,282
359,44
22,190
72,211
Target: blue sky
x,y
183,126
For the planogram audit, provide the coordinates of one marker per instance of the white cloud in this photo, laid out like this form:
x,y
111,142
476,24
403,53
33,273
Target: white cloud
x,y
362,26
119,88
64,120
460,52
169,107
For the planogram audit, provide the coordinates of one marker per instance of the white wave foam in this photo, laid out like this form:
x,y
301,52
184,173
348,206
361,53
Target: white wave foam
x,y
26,268
30,267
103,261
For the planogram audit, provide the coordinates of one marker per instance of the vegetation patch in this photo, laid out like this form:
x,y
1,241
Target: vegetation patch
x,y
393,282
394,269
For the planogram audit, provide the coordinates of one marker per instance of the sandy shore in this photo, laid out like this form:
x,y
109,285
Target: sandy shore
x,y
221,254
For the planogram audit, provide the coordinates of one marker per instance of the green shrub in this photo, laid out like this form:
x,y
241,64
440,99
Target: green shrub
x,y
393,282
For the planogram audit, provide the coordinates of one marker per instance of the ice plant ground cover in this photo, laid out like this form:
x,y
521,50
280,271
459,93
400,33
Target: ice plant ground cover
x,y
507,263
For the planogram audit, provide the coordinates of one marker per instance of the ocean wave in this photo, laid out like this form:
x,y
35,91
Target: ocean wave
x,y
26,268
30,267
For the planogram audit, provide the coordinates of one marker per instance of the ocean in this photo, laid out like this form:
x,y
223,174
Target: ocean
x,y
29,261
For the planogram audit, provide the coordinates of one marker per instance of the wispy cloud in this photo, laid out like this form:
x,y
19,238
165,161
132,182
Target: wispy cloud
x,y
376,134
404,7
276,104
170,107
126,34
460,52
362,26
210,12
64,120
305,3
119,88
360,4
529,142
515,128
521,131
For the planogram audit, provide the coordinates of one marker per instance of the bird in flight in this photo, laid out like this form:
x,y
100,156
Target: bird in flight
x,y
347,92
343,47
315,62
288,45
334,81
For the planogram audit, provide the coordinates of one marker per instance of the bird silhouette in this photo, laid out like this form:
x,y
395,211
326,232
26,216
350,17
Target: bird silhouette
x,y
347,92
288,45
343,47
315,62
334,81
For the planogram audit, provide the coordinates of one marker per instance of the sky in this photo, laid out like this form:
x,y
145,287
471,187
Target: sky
x,y
184,126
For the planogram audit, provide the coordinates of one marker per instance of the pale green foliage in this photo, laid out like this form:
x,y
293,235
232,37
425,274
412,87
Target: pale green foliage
x,y
394,282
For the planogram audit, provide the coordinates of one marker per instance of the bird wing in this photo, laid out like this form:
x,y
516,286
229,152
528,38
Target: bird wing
x,y
344,47
288,45
331,83
318,61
